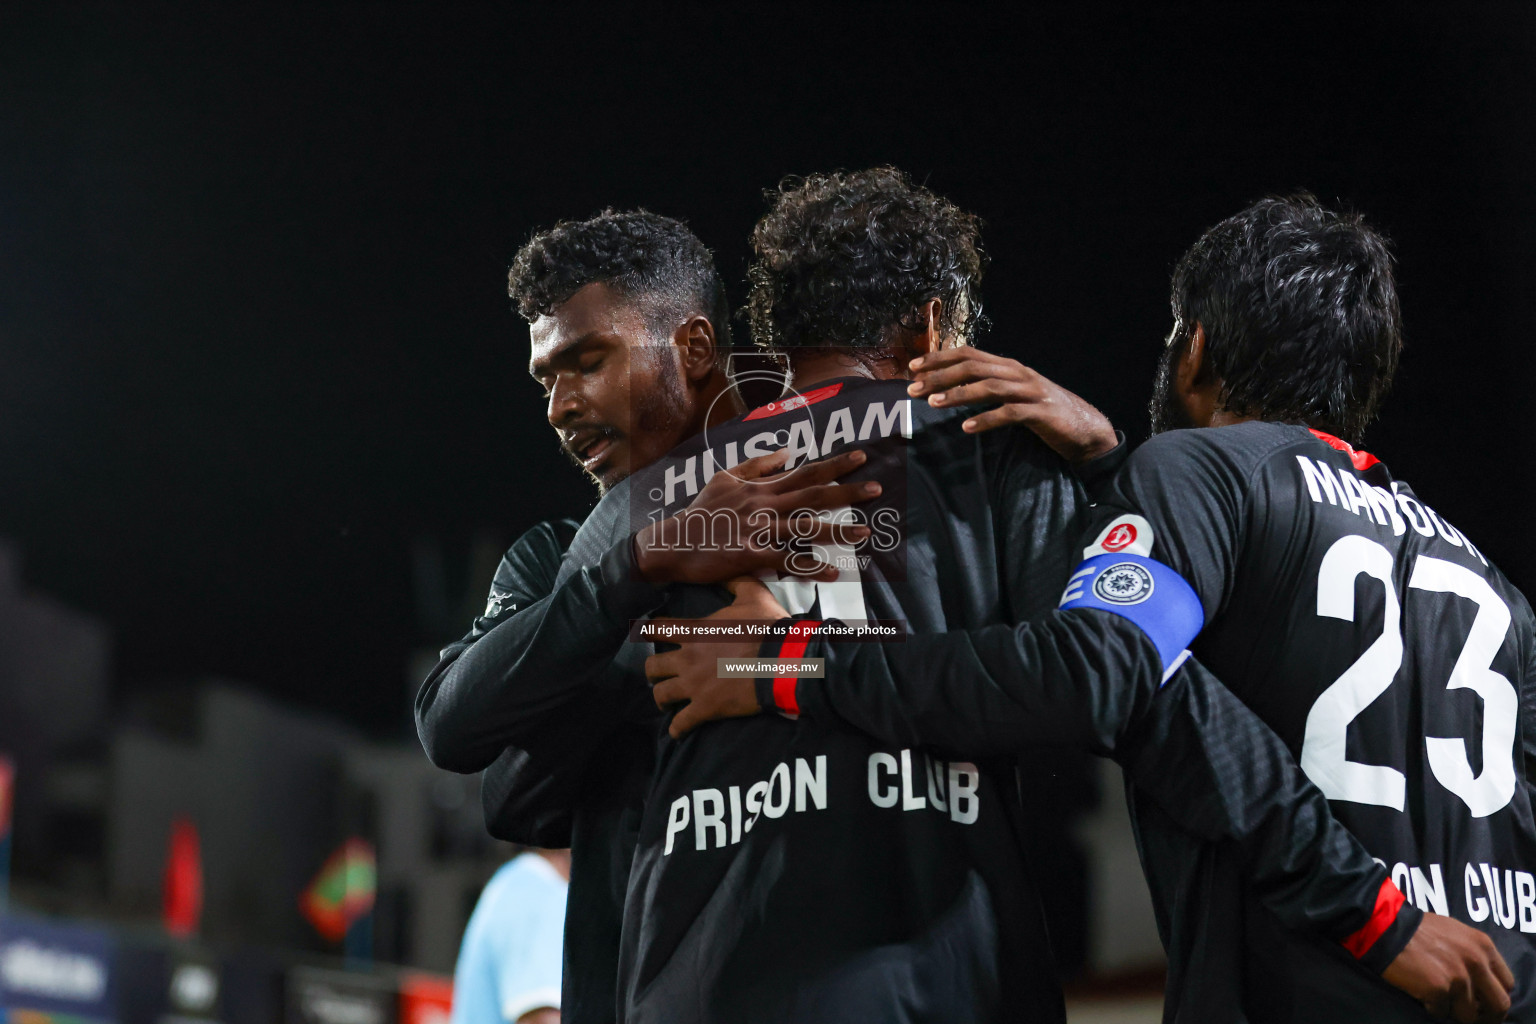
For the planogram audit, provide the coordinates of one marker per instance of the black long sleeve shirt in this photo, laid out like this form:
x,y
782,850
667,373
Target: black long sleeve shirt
x,y
1336,605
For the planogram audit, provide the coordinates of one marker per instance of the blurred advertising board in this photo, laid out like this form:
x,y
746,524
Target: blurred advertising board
x,y
321,996
56,972
7,800
160,982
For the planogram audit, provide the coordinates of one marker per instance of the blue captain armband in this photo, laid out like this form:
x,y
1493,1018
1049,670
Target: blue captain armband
x,y
1144,590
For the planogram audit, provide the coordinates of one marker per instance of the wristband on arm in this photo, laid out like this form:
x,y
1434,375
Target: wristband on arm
x,y
777,693
1392,923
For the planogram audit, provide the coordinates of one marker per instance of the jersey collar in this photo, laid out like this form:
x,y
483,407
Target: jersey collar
x,y
1361,460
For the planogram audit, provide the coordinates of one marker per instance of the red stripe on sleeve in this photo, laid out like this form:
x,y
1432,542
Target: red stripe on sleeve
x,y
795,643
1389,900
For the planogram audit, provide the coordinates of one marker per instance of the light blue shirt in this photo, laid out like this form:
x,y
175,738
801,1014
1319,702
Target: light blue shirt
x,y
509,963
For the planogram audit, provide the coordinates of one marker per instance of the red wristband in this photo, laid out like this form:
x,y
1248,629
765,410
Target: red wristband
x,y
1389,900
794,646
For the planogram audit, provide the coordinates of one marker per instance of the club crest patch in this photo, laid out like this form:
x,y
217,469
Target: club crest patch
x,y
1119,538
1129,534
1123,583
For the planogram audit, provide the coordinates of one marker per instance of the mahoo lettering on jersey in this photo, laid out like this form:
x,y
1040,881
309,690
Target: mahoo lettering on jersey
x,y
1499,896
903,781
1395,508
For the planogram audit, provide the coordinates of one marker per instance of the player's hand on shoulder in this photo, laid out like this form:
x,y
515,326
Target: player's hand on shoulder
x,y
1072,427
689,673
1455,971
742,520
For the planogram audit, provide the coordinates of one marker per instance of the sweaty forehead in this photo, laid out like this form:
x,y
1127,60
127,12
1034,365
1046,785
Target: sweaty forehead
x,y
595,312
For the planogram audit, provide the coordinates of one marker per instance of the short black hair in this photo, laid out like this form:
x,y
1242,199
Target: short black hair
x,y
841,258
644,256
1300,313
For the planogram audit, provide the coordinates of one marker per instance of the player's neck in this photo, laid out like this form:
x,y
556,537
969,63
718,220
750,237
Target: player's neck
x,y
1226,418
1203,408
721,400
806,370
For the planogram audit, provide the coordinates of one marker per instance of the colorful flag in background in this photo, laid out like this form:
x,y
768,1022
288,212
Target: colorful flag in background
x,y
343,891
183,880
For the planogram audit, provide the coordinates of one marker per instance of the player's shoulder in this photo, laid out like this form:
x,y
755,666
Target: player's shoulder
x,y
937,436
1235,452
552,535
538,551
1015,448
881,389
939,432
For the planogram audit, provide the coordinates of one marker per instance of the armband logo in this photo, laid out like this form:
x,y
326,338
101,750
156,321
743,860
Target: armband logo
x,y
1146,592
1130,534
1124,583
493,607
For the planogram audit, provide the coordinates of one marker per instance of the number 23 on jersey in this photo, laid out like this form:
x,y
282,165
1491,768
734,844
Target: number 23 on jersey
x,y
1323,745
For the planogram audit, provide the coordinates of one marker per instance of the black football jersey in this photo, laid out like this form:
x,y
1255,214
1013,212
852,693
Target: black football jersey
x,y
1393,659
1375,639
793,869
801,870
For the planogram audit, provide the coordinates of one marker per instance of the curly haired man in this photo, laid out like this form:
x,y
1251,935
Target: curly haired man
x,y
788,870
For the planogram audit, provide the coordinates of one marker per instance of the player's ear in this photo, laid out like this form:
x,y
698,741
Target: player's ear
x,y
695,341
930,335
1195,382
1192,371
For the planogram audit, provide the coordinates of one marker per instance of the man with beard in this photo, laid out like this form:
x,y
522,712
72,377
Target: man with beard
x,y
1338,606
629,340
787,871
623,311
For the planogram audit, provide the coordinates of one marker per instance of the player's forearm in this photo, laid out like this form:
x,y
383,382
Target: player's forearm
x,y
1065,677
1222,774
1098,473
1207,759
505,688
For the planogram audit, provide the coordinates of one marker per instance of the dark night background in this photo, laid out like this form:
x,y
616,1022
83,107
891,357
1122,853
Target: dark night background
x,y
255,347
